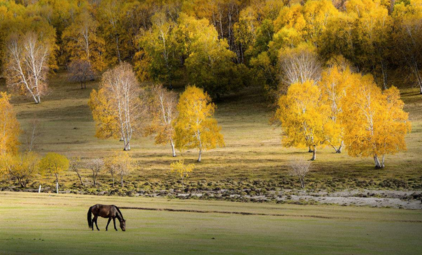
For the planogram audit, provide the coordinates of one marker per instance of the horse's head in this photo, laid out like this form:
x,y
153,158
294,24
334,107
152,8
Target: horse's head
x,y
123,225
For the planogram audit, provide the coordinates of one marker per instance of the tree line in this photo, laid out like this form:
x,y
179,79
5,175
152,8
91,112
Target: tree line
x,y
218,45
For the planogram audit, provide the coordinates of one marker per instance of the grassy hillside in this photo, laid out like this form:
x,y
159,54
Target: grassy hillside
x,y
253,148
50,224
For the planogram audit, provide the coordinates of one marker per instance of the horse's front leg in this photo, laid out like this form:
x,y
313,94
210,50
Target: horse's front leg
x,y
96,222
114,221
109,219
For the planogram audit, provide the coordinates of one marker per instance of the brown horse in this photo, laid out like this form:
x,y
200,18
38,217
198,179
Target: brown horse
x,y
106,211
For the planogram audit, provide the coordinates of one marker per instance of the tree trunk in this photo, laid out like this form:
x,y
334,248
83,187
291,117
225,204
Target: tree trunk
x,y
340,147
172,148
377,162
57,183
314,153
310,150
200,155
112,177
80,179
121,180
127,146
94,178
302,183
117,48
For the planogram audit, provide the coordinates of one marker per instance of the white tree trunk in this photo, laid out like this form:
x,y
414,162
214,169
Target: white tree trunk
x,y
173,150
314,153
378,164
200,154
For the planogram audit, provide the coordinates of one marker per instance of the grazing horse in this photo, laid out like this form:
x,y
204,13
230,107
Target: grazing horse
x,y
106,211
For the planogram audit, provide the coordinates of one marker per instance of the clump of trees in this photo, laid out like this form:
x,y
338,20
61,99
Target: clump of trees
x,y
344,108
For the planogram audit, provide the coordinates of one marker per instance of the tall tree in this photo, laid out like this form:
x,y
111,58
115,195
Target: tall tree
x,y
195,126
81,41
334,86
302,116
408,37
159,42
116,107
375,123
163,112
210,62
27,65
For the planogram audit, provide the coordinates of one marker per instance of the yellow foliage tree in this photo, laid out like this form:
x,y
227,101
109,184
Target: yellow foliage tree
x,y
195,126
54,164
181,169
117,108
334,86
21,167
375,123
81,41
9,127
302,116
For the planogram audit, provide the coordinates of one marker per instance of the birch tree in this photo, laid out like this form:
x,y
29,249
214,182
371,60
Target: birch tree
x,y
81,41
374,121
299,65
196,126
163,111
27,65
117,108
302,117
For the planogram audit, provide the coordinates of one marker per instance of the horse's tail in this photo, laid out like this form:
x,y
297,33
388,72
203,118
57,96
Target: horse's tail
x,y
90,217
119,212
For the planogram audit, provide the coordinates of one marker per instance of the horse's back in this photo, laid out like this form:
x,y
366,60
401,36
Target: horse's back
x,y
104,211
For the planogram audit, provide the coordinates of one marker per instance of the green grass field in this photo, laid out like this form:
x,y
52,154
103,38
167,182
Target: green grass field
x,y
56,224
253,148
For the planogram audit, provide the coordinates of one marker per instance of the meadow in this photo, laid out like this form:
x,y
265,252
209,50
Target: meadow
x,y
56,224
253,148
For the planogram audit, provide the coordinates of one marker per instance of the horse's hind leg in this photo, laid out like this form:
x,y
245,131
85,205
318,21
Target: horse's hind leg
x,y
114,221
96,224
109,219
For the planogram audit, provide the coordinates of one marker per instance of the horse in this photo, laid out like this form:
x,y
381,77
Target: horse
x,y
105,211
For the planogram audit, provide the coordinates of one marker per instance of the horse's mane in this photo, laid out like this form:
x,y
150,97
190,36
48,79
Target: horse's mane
x,y
120,212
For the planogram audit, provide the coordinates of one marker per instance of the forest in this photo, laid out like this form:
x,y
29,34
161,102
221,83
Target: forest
x,y
328,70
